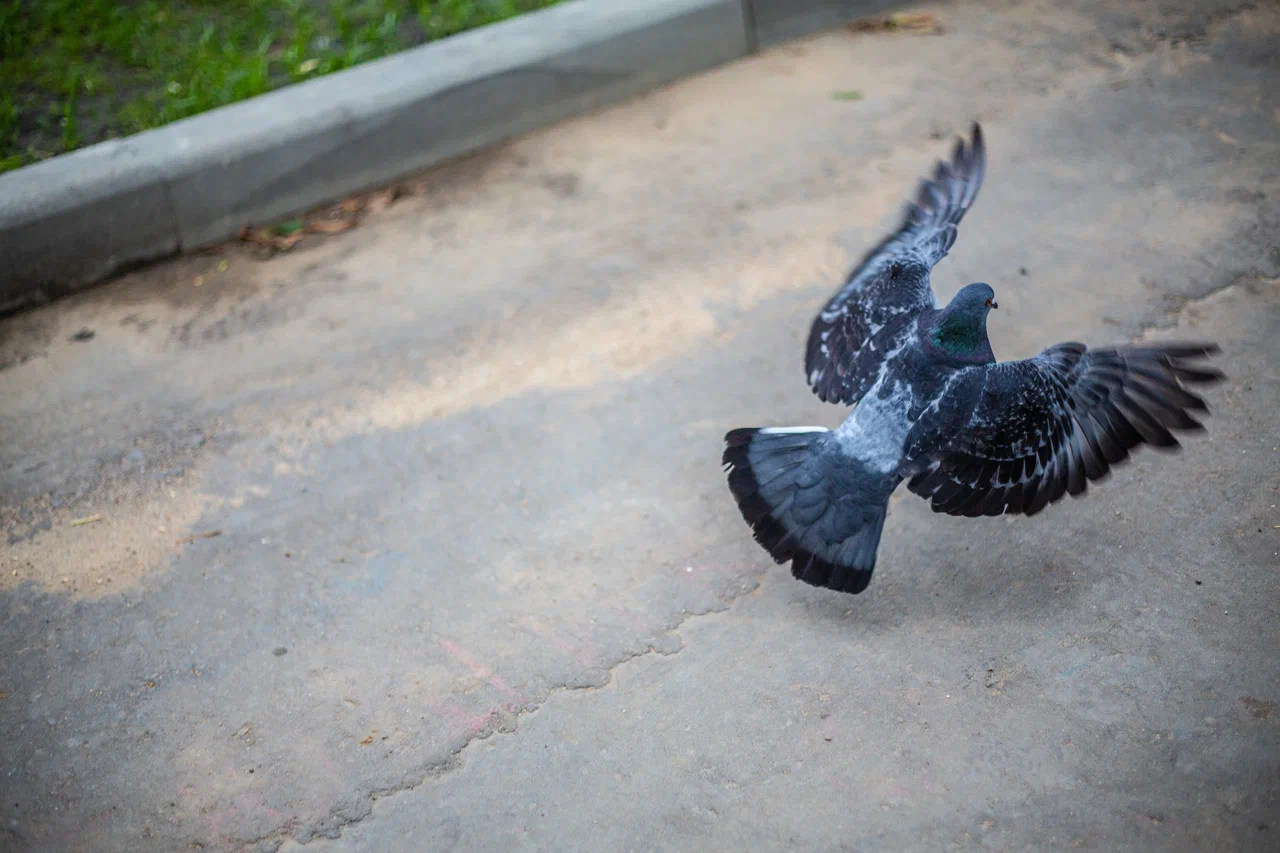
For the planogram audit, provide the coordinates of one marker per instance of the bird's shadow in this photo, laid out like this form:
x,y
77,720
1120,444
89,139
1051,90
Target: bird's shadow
x,y
934,569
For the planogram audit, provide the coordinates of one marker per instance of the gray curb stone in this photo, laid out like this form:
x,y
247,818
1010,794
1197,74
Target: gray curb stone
x,y
774,21
76,219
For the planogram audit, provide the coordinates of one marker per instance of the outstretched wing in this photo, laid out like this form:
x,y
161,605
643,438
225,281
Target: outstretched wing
x,y
1016,436
892,281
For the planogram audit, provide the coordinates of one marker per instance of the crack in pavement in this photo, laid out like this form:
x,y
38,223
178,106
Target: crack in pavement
x,y
1213,21
1182,303
456,760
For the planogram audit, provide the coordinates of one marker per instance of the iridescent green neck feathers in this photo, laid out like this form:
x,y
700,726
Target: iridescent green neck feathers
x,y
961,329
961,333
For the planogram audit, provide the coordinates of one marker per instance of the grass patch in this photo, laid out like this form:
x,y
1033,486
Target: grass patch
x,y
76,72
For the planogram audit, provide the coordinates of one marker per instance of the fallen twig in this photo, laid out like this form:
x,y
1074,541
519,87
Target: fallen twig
x,y
919,22
208,534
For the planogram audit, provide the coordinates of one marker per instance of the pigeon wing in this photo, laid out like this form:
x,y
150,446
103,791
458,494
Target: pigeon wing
x,y
892,281
1016,436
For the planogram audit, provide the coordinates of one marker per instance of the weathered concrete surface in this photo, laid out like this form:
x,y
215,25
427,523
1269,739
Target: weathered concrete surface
x,y
479,584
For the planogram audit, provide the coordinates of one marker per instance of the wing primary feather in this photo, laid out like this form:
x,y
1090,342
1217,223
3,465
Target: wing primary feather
x,y
1030,432
890,286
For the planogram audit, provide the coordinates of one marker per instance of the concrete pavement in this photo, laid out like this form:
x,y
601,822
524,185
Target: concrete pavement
x,y
477,582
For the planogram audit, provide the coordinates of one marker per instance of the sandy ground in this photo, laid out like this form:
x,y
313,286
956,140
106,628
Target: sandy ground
x,y
416,538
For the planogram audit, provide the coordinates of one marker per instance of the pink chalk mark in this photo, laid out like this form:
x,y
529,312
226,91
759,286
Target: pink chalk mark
x,y
478,669
479,722
463,658
498,684
466,723
586,653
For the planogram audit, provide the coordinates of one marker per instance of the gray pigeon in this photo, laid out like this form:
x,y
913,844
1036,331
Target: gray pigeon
x,y
933,406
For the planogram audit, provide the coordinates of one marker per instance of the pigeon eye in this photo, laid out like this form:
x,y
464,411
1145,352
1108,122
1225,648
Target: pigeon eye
x,y
988,303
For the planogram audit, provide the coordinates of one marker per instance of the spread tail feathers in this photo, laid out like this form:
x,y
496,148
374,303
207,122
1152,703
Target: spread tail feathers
x,y
809,503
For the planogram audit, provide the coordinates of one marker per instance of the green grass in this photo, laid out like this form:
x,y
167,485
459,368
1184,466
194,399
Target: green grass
x,y
76,72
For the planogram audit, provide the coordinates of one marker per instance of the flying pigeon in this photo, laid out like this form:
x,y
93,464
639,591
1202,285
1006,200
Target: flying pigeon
x,y
932,406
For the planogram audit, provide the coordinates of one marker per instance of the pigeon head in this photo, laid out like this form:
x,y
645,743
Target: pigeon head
x,y
976,298
961,327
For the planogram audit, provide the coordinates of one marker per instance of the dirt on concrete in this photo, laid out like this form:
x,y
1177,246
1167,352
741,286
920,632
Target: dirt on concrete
x,y
478,583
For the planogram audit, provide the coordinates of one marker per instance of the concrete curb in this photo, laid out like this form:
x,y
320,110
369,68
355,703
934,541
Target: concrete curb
x,y
76,219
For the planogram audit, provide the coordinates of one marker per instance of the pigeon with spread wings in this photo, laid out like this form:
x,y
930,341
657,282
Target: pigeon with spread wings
x,y
932,406
891,285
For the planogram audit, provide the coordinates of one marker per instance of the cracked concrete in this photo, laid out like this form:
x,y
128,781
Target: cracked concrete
x,y
462,464
458,759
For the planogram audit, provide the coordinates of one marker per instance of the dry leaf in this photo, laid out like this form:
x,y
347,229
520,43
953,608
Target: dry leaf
x,y
368,739
266,237
329,226
919,22
381,200
261,236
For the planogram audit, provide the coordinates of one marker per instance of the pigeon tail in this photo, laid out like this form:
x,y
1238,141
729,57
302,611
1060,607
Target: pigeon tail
x,y
809,502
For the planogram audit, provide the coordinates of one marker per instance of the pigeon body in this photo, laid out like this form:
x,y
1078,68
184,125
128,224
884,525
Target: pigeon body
x,y
932,406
